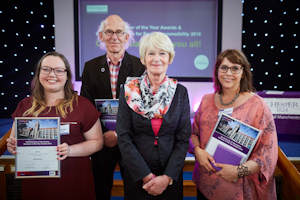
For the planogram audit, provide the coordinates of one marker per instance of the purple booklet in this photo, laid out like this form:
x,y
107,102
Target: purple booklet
x,y
108,109
226,156
231,141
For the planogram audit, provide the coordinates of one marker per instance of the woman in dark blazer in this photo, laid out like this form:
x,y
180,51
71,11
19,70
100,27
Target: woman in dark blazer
x,y
153,125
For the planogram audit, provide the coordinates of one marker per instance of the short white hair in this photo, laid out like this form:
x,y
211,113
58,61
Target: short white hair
x,y
127,30
156,40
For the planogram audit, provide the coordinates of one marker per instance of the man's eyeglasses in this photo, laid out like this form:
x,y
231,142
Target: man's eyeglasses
x,y
57,71
233,69
110,33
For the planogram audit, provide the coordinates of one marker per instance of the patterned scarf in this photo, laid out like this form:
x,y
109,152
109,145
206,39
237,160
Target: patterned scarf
x,y
140,98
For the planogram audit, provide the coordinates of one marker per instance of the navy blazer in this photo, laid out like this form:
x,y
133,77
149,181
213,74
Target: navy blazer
x,y
139,155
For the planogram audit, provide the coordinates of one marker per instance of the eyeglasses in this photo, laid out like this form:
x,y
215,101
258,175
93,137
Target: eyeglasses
x,y
110,33
57,71
233,69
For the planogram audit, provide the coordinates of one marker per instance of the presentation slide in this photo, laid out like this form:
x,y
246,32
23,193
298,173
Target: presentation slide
x,y
192,25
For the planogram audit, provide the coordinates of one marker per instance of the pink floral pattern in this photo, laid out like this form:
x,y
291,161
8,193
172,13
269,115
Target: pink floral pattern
x,y
256,186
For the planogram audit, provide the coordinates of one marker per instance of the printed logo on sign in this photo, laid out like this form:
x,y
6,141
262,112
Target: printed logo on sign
x,y
201,62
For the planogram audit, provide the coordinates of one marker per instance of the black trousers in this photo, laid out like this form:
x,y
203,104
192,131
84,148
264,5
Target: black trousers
x,y
104,163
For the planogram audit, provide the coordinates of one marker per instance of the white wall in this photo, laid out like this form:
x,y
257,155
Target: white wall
x,y
232,24
64,31
231,38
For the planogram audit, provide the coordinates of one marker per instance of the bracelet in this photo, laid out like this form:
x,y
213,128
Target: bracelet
x,y
242,171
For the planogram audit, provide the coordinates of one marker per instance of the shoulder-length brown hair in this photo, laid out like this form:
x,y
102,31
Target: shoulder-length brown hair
x,y
236,57
39,104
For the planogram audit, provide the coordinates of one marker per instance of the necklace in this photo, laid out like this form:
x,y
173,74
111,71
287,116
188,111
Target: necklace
x,y
229,103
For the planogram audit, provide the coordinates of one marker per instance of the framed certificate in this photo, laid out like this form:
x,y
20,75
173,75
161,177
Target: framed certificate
x,y
37,140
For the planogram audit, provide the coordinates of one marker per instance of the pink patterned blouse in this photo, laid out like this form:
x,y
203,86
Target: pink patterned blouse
x,y
256,186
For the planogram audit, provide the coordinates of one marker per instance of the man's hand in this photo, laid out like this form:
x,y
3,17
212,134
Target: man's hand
x,y
110,138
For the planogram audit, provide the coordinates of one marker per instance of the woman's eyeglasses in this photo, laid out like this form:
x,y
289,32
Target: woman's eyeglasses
x,y
57,71
233,69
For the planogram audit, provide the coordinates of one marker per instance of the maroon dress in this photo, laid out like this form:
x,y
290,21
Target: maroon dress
x,y
76,181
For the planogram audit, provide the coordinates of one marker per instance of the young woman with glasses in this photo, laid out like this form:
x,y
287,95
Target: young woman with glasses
x,y
53,96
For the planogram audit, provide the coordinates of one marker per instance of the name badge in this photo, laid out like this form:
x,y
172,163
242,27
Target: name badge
x,y
64,129
227,111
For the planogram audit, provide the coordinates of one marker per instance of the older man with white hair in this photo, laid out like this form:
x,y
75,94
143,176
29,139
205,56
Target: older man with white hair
x,y
101,79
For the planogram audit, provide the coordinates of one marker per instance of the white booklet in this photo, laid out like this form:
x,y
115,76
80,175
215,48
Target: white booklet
x,y
231,141
109,110
37,141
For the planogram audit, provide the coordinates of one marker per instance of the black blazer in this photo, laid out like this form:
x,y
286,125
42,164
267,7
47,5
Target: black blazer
x,y
96,76
139,155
